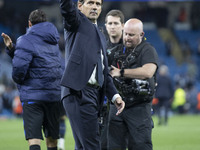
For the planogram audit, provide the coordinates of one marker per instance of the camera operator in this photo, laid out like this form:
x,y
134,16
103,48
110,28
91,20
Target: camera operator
x,y
133,69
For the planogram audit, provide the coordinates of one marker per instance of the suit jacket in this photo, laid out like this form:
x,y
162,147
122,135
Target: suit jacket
x,y
83,42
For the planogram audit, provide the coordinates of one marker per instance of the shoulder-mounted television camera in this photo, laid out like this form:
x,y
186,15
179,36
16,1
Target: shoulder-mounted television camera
x,y
133,87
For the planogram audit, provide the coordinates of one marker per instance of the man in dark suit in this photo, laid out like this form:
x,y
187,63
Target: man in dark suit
x,y
84,82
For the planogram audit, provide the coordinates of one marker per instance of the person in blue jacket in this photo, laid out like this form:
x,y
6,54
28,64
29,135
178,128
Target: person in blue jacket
x,y
37,71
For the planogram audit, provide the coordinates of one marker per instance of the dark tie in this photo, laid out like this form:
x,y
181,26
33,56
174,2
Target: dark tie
x,y
100,76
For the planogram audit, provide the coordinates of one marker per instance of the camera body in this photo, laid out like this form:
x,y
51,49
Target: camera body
x,y
142,87
133,87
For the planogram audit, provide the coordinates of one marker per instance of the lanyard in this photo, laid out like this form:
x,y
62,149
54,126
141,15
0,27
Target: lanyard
x,y
124,50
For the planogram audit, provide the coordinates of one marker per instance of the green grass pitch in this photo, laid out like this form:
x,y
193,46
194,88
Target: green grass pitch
x,y
181,133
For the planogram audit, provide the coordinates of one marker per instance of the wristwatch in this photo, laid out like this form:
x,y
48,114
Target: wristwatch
x,y
122,72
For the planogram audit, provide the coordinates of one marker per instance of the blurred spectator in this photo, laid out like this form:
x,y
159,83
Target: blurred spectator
x,y
182,16
17,106
179,99
169,46
8,97
2,90
4,57
198,47
164,94
198,104
186,50
192,69
191,96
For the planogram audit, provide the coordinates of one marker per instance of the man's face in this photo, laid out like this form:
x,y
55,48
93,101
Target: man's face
x,y
114,26
132,37
91,9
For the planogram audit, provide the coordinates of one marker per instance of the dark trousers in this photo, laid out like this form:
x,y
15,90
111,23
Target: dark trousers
x,y
133,127
163,105
82,110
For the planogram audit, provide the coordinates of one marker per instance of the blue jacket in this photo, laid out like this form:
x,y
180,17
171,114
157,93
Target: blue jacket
x,y
37,64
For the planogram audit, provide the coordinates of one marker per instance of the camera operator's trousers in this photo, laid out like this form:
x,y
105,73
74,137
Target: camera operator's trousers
x,y
132,128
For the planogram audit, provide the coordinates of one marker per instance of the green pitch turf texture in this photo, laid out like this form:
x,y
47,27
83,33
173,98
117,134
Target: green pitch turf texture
x,y
181,133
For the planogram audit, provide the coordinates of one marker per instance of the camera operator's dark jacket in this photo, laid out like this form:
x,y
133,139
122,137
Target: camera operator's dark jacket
x,y
144,53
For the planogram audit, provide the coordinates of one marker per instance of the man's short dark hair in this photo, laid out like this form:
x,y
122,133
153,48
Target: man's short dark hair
x,y
37,16
83,1
115,13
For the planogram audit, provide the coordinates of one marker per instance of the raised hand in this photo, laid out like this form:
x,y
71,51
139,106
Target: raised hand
x,y
7,40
